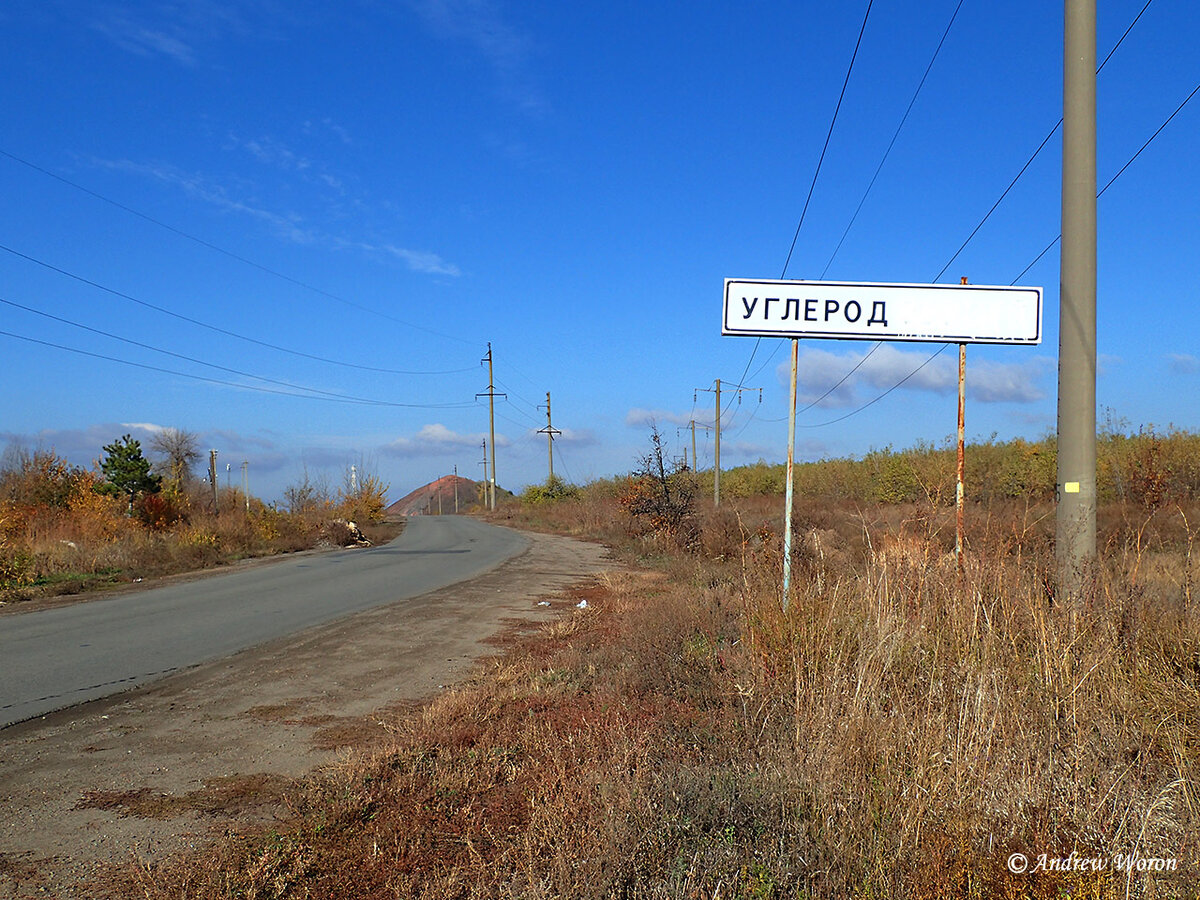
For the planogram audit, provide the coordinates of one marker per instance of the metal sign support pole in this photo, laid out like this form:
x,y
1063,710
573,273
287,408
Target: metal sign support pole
x,y
962,456
791,462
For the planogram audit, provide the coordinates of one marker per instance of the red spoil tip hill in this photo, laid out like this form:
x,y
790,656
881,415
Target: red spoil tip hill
x,y
424,501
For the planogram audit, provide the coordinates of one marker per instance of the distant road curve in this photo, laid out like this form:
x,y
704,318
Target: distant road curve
x,y
56,658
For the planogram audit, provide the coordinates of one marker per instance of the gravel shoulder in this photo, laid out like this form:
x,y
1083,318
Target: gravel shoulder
x,y
166,768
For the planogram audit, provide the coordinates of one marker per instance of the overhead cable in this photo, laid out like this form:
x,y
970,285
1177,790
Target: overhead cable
x,y
229,253
185,358
817,172
232,384
1100,193
895,135
218,329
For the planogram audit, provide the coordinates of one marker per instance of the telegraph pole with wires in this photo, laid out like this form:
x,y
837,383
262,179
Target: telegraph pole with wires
x,y
549,431
491,394
695,459
716,389
716,442
485,472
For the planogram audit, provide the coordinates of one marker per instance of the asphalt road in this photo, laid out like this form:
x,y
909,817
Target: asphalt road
x,y
56,658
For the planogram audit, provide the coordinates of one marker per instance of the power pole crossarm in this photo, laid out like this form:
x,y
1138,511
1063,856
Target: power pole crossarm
x,y
549,431
491,394
717,434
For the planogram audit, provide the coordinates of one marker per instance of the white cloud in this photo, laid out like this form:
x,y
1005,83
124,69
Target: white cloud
x,y
424,261
833,380
644,418
579,437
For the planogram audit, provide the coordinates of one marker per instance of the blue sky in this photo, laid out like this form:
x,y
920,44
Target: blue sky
x,y
392,185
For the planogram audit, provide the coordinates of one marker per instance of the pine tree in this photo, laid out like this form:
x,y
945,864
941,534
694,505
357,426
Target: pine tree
x,y
127,471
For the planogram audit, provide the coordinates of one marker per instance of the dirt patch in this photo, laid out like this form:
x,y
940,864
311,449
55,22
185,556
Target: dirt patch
x,y
165,769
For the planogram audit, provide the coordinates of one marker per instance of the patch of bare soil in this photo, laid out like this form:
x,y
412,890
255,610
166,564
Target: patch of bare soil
x,y
168,768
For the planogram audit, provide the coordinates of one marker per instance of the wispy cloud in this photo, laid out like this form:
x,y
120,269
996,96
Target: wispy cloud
x,y
481,25
423,261
269,151
579,437
171,30
644,418
81,446
437,438
314,127
146,41
291,226
211,191
831,380
1183,364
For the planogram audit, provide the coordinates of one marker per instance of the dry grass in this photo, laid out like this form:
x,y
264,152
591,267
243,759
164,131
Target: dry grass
x,y
897,732
47,551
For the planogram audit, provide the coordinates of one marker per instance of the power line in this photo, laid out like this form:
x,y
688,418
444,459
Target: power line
x,y
869,403
1120,172
229,253
1099,194
216,328
828,137
888,151
1035,153
980,225
816,173
232,384
184,357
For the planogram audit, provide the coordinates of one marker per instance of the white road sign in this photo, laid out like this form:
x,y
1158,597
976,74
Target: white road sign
x,y
966,313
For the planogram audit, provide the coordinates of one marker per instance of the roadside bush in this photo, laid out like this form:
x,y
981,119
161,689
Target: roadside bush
x,y
553,491
660,500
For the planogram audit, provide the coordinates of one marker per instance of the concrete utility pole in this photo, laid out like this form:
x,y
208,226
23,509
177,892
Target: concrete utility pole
x,y
485,474
1075,532
716,443
717,448
695,459
491,394
549,431
246,484
717,436
456,490
212,479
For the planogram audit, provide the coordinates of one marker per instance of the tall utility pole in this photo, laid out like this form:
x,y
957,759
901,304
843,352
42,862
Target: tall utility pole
x,y
456,490
491,394
1076,489
549,431
246,484
717,435
695,460
212,479
716,444
485,473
